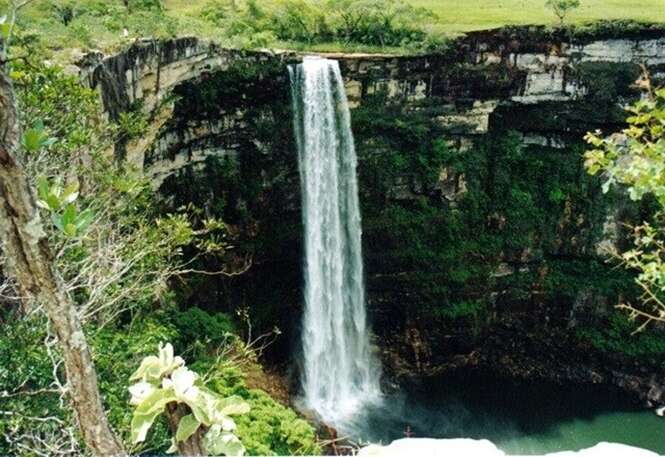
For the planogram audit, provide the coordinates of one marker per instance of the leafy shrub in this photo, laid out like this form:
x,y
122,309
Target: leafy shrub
x,y
298,20
163,381
117,352
617,337
379,22
135,5
26,363
132,124
367,22
218,10
269,428
25,366
194,324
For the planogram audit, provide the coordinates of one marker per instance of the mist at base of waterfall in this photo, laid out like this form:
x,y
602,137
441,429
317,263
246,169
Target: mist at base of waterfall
x,y
519,418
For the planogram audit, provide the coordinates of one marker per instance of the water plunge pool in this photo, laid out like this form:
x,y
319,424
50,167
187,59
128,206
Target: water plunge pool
x,y
519,418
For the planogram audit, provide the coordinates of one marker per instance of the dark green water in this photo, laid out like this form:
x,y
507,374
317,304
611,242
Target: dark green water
x,y
517,418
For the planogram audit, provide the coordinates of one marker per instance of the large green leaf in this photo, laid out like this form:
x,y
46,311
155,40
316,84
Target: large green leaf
x,y
149,370
183,384
145,413
153,368
167,360
187,427
32,139
35,138
231,406
70,193
43,192
84,219
219,442
204,406
140,391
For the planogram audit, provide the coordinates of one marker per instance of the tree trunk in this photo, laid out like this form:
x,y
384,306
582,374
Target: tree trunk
x,y
30,261
192,446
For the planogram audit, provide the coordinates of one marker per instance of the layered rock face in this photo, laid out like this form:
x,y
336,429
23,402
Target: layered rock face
x,y
528,80
443,142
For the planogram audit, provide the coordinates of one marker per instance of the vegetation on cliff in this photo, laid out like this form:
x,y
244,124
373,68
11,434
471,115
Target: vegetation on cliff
x,y
635,158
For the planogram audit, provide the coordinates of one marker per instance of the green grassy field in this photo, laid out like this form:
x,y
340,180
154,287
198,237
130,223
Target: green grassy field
x,y
456,16
183,17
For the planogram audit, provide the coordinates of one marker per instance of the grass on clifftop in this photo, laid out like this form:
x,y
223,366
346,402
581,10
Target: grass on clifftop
x,y
458,16
455,16
107,25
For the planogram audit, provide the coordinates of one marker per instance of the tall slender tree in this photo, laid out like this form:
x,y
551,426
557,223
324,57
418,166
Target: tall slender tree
x,y
31,263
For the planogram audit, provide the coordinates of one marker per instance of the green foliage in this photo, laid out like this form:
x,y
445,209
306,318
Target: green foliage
x,y
117,263
464,309
132,124
59,110
35,138
25,366
134,5
99,24
65,11
270,428
104,216
59,201
561,8
117,350
617,336
162,380
401,157
382,23
437,222
194,324
567,278
635,159
28,357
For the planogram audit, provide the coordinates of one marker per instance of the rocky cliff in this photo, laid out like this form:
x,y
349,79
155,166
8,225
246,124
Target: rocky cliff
x,y
483,234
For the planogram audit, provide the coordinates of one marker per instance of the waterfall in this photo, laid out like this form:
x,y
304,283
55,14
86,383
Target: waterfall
x,y
338,372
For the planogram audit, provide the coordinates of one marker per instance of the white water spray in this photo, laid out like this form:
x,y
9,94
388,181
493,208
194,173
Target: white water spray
x,y
339,374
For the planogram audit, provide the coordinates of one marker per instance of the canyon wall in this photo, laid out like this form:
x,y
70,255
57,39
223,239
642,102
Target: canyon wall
x,y
483,234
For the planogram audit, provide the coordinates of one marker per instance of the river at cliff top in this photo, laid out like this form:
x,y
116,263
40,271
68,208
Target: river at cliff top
x,y
518,418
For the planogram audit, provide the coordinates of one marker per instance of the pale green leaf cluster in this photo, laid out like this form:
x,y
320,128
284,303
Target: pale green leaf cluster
x,y
60,201
35,138
164,379
635,158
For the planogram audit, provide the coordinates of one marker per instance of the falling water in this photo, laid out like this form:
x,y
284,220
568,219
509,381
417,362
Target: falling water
x,y
339,374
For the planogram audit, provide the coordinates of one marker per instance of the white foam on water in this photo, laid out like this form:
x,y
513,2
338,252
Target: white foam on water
x,y
429,447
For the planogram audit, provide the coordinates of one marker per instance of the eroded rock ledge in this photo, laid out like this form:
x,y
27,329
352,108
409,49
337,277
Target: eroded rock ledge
x,y
513,77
